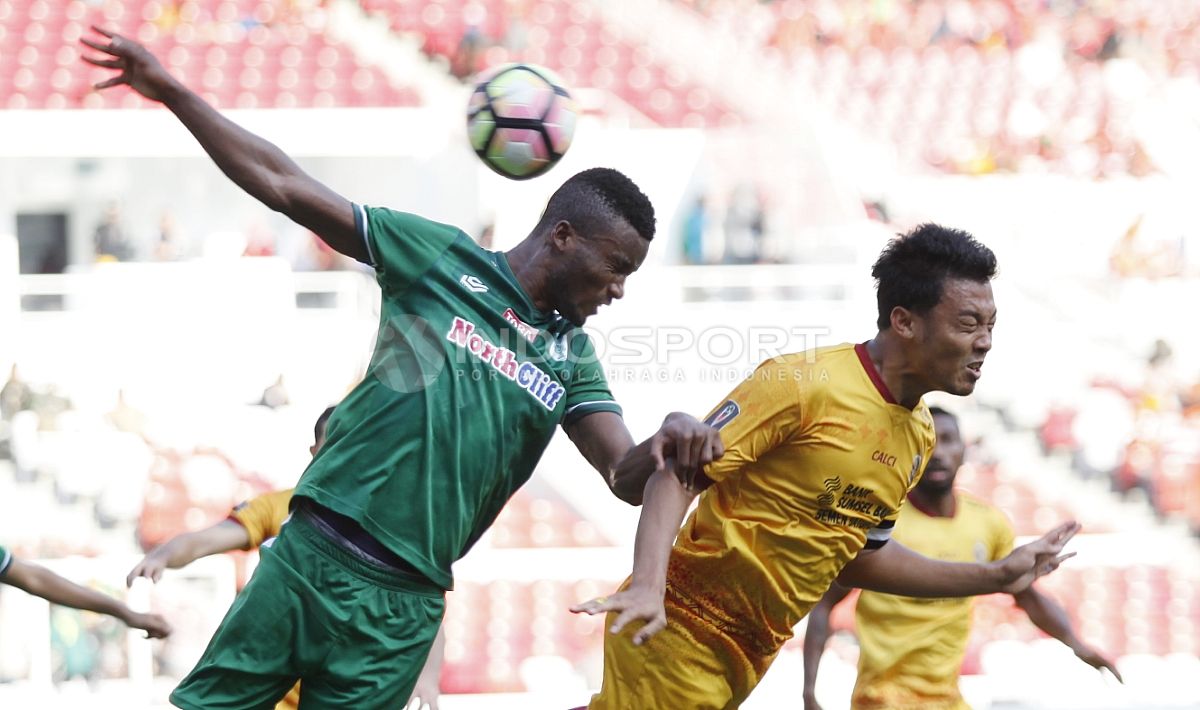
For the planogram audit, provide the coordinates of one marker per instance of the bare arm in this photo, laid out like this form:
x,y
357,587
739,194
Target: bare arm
x,y
184,549
606,443
256,165
666,502
895,569
41,582
428,687
1049,616
816,634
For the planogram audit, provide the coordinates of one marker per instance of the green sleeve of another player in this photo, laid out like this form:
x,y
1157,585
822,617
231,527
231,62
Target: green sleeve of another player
x,y
5,560
587,392
401,246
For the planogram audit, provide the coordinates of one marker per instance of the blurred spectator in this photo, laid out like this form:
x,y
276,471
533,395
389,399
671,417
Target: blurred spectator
x,y
49,405
109,238
695,226
126,418
167,248
16,396
744,226
469,53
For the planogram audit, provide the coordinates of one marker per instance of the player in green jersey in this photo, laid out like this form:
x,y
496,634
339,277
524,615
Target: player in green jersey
x,y
41,582
479,358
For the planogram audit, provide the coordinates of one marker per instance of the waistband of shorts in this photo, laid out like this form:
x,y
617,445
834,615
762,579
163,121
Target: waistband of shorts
x,y
303,524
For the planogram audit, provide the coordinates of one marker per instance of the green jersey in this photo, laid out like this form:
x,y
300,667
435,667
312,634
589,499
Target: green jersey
x,y
465,388
5,559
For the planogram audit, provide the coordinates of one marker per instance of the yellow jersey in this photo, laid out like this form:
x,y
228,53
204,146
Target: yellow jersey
x,y
910,649
818,460
263,516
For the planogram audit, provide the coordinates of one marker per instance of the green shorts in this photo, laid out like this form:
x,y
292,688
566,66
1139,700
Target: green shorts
x,y
356,634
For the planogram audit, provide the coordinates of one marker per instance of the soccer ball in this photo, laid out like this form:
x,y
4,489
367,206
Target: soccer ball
x,y
520,120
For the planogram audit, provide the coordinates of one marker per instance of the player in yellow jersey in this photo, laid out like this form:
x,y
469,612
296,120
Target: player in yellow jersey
x,y
821,449
255,523
911,649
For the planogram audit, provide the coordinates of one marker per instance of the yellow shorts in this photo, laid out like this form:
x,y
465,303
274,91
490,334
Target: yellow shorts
x,y
690,664
882,694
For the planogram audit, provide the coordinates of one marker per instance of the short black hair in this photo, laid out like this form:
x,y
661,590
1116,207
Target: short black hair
x,y
592,199
319,429
912,269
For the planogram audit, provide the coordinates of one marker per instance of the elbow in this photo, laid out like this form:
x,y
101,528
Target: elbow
x,y
627,493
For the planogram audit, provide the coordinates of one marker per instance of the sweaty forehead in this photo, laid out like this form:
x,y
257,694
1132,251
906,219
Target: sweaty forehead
x,y
966,297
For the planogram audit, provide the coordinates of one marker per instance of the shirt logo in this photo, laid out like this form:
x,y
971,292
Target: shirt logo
x,y
472,283
528,376
558,348
884,458
527,331
724,414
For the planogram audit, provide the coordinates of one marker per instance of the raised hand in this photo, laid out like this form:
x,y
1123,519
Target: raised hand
x,y
151,567
1038,558
692,443
632,604
139,69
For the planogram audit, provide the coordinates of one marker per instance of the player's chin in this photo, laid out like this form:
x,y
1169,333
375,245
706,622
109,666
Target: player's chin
x,y
962,388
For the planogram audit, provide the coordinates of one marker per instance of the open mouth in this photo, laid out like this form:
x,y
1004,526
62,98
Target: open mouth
x,y
976,369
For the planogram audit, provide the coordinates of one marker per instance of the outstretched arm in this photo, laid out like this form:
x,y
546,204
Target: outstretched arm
x,y
816,634
895,569
606,443
1049,616
666,502
184,549
254,164
41,582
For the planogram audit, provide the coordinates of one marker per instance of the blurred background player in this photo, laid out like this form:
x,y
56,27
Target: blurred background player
x,y
256,523
449,422
910,650
821,448
41,582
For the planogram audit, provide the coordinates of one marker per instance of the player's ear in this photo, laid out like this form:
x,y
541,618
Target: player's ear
x,y
562,235
903,322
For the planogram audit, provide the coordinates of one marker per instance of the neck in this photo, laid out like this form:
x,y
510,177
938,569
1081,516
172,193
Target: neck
x,y
940,505
892,364
528,262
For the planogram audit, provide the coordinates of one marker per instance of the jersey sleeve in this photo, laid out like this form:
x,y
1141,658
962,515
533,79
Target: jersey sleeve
x,y
758,415
401,246
5,559
587,391
1002,540
263,516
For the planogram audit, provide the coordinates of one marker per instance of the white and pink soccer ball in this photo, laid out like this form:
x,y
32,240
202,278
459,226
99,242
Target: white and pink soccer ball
x,y
520,120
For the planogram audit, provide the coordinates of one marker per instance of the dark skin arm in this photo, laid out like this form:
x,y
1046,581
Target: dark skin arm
x,y
816,635
895,569
256,165
606,443
1049,616
41,582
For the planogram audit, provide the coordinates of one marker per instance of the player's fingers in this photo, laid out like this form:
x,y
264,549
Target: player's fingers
x,y
98,46
652,627
109,83
107,33
105,63
623,619
156,575
592,606
1113,669
656,452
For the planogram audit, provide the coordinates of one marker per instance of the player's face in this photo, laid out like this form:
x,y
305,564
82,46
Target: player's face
x,y
595,269
955,336
947,457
